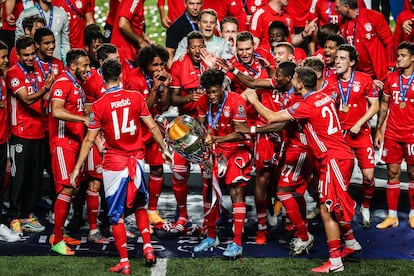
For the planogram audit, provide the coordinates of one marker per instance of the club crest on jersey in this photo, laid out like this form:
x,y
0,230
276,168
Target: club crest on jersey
x,y
15,82
55,71
240,111
19,148
58,93
356,87
79,4
226,111
368,27
92,118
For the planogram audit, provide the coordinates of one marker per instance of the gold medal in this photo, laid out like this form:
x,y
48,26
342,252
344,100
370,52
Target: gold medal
x,y
345,108
1,104
403,105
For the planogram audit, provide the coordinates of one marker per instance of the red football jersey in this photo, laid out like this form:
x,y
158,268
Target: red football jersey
x,y
175,9
113,8
25,120
362,89
325,10
399,34
63,133
293,134
143,84
94,86
373,41
253,5
133,10
4,129
55,66
186,76
320,122
299,10
234,110
224,8
76,10
400,125
118,114
261,20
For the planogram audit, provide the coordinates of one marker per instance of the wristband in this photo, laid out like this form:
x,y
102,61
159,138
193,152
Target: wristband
x,y
235,71
302,35
253,129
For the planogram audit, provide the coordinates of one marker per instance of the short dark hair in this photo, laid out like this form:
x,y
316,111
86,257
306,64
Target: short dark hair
x,y
288,68
307,76
40,33
325,31
353,4
111,69
407,45
147,54
24,42
194,35
353,54
279,25
245,36
28,22
212,77
229,19
337,38
3,46
74,54
90,33
315,63
104,50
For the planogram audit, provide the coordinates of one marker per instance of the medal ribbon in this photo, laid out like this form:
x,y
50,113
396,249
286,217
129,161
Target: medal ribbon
x,y
74,9
345,97
34,85
112,89
77,85
404,91
42,14
248,67
214,121
39,63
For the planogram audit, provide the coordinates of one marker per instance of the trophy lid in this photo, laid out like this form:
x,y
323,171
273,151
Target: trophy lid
x,y
177,130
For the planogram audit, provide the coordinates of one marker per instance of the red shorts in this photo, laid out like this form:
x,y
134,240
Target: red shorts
x,y
334,179
93,164
297,169
153,154
363,148
62,163
266,151
394,152
238,168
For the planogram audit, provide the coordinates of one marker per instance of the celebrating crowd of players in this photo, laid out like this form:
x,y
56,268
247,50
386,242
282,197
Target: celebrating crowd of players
x,y
288,88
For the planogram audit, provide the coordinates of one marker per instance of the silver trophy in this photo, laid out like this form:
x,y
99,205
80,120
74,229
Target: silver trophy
x,y
185,135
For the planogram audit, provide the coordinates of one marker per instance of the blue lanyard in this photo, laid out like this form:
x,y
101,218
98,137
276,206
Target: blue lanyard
x,y
1,90
248,67
34,85
42,14
49,70
404,91
310,93
345,98
213,122
193,25
113,89
285,99
148,81
77,85
354,29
